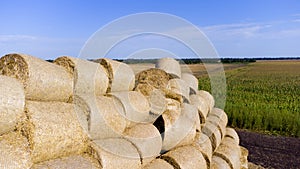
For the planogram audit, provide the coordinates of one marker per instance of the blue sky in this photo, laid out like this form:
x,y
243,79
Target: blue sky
x,y
238,28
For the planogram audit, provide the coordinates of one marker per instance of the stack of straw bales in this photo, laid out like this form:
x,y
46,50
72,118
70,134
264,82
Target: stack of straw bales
x,y
75,113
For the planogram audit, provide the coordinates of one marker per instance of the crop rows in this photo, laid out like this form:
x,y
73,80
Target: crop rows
x,y
263,96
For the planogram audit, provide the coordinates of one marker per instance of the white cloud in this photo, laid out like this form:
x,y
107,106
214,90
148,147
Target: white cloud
x,y
9,38
296,15
239,30
296,20
276,38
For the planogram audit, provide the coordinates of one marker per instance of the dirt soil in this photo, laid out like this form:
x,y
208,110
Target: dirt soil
x,y
271,151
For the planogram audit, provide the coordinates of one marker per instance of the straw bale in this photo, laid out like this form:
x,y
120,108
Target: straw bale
x,y
220,114
173,105
244,157
169,65
43,81
145,89
191,80
255,166
203,143
230,152
191,109
147,139
104,115
219,163
244,151
158,103
14,151
217,122
202,106
136,106
179,87
230,132
156,78
89,77
158,164
83,112
71,162
208,97
121,76
213,133
179,127
155,97
185,157
172,95
117,153
53,130
12,101
198,121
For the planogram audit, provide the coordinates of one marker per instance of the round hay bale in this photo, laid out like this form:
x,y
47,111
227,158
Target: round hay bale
x,y
179,87
156,78
14,151
244,157
172,112
156,99
121,76
158,103
185,157
53,130
255,166
179,127
34,74
198,121
89,77
191,81
203,143
231,133
12,101
169,65
219,163
173,105
220,114
208,97
83,112
244,151
105,116
230,152
145,89
136,106
117,153
202,106
70,162
191,109
147,139
217,122
213,133
158,164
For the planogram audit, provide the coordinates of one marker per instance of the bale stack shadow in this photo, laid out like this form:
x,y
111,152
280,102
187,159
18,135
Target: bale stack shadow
x,y
75,113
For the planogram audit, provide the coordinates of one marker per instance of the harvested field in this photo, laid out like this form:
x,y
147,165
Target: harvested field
x,y
197,69
271,151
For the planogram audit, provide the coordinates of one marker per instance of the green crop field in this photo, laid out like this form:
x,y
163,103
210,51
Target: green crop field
x,y
263,96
